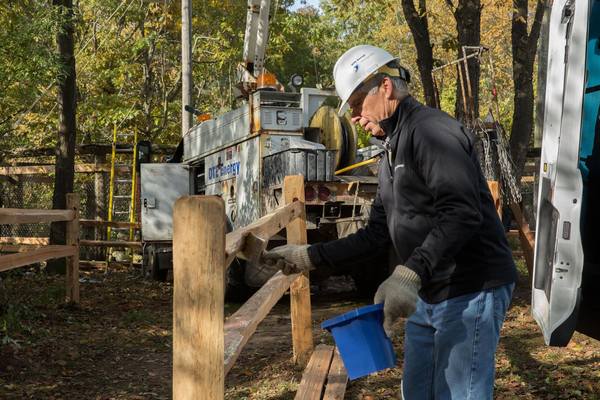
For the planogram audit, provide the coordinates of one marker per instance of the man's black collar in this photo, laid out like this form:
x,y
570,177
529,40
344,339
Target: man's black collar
x,y
391,125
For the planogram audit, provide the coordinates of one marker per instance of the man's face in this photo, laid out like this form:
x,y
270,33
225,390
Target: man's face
x,y
369,109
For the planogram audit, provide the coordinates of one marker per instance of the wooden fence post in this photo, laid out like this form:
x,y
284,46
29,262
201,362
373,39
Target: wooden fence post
x,y
293,188
496,196
198,298
72,233
526,237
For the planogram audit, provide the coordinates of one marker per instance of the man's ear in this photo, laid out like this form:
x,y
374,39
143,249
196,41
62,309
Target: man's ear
x,y
388,87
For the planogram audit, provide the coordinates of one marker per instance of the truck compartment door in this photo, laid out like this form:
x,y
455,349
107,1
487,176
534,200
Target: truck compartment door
x,y
161,186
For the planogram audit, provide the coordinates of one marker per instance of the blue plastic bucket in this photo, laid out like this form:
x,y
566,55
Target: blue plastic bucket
x,y
361,340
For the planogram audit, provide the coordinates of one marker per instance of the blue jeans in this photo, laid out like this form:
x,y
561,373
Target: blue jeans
x,y
450,347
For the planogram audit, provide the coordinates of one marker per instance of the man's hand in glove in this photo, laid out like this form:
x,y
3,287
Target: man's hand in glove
x,y
398,293
290,259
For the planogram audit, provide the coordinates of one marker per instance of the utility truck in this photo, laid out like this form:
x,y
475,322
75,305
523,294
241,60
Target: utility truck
x,y
244,154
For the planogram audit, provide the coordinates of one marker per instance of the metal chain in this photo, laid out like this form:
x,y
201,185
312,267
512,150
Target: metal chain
x,y
511,190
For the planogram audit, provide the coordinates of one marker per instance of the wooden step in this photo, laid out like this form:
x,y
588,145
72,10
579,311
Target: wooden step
x,y
337,379
315,375
325,376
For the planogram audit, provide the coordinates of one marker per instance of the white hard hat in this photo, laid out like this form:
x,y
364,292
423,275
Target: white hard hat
x,y
357,65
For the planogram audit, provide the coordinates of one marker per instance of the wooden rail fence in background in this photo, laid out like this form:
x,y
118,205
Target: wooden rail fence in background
x,y
20,244
12,216
205,346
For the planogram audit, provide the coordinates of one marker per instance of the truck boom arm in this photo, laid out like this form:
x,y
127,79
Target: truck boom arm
x,y
256,38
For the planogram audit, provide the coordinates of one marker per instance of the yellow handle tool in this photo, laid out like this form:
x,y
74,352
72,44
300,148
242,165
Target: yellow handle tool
x,y
359,164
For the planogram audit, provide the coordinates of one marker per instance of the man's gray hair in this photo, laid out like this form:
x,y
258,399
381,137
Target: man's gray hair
x,y
400,85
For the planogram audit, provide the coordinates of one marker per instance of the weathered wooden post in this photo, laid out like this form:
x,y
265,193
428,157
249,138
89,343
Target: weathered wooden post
x,y
72,236
293,189
198,298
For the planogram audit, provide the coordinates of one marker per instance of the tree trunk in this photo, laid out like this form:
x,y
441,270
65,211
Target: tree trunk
x,y
522,124
468,25
65,147
418,24
542,66
524,48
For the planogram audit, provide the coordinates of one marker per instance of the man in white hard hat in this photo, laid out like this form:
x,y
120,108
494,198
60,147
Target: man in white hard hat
x,y
456,274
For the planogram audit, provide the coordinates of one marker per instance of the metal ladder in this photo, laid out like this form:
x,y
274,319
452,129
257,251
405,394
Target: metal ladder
x,y
122,189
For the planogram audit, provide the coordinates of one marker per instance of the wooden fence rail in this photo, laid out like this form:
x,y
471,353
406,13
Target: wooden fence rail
x,y
18,244
10,216
205,347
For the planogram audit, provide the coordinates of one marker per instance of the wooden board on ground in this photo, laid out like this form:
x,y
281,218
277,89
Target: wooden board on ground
x,y
240,326
314,376
92,264
337,379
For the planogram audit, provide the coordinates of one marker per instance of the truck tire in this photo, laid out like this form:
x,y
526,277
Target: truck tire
x,y
236,290
151,265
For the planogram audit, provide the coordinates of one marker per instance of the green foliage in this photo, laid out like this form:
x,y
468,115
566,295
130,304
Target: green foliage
x,y
363,137
28,62
128,59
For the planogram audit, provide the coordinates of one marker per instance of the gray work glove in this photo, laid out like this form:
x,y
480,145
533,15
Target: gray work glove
x,y
398,293
290,259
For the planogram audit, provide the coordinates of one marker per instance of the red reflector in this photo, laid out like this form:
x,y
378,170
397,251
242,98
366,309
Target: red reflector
x,y
309,193
324,193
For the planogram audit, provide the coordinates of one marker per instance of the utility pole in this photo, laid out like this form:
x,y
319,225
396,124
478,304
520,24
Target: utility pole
x,y
186,64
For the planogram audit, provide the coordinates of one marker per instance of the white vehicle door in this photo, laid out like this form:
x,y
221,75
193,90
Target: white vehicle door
x,y
563,265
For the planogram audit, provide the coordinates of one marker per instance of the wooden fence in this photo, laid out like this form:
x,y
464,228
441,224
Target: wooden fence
x,y
11,216
19,244
205,347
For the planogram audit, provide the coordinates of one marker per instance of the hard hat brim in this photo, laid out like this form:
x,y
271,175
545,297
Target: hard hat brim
x,y
344,108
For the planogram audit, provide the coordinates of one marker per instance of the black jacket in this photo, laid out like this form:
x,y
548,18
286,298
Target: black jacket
x,y
434,206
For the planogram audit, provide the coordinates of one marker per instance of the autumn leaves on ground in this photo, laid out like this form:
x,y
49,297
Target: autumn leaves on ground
x,y
117,345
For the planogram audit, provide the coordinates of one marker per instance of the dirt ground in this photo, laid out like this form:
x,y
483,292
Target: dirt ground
x,y
117,345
